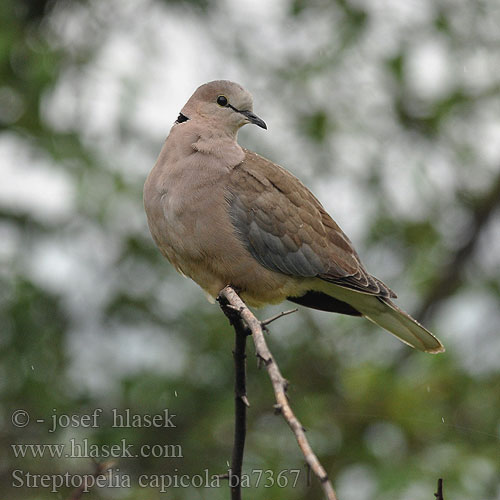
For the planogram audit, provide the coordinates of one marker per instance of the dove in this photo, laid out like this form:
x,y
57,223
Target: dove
x,y
223,215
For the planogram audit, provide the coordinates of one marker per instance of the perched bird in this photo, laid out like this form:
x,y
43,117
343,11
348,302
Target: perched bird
x,y
223,215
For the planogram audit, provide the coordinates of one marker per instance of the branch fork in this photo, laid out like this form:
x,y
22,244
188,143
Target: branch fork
x,y
245,323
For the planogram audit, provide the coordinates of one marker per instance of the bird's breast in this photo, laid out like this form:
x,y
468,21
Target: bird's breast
x,y
188,215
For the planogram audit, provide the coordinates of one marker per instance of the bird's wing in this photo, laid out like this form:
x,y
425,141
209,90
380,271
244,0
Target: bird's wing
x,y
287,230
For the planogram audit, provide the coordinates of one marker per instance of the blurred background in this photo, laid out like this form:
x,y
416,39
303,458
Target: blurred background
x,y
388,110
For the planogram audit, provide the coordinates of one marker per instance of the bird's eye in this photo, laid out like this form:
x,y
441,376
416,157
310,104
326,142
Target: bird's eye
x,y
222,100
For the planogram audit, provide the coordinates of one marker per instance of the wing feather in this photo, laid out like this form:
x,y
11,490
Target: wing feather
x,y
286,229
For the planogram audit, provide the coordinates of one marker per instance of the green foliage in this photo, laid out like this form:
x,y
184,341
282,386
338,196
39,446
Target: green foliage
x,y
316,125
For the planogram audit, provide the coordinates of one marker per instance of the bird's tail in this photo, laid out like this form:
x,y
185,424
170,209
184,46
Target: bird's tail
x,y
383,312
396,321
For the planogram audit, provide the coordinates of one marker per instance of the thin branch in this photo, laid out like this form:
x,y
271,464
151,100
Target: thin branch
x,y
279,386
240,397
100,469
277,316
439,494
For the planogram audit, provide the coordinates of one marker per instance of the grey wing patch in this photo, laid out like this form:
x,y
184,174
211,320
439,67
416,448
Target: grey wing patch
x,y
273,251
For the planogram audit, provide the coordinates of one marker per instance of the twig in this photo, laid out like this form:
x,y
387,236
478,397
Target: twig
x,y
100,469
439,494
279,386
240,397
277,316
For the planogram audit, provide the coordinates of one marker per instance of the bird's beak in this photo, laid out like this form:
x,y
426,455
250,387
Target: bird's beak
x,y
252,118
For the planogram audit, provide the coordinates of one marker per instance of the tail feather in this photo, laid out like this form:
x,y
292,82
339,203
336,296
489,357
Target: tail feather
x,y
403,326
383,312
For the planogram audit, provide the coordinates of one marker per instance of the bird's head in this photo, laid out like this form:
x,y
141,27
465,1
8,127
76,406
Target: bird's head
x,y
222,105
